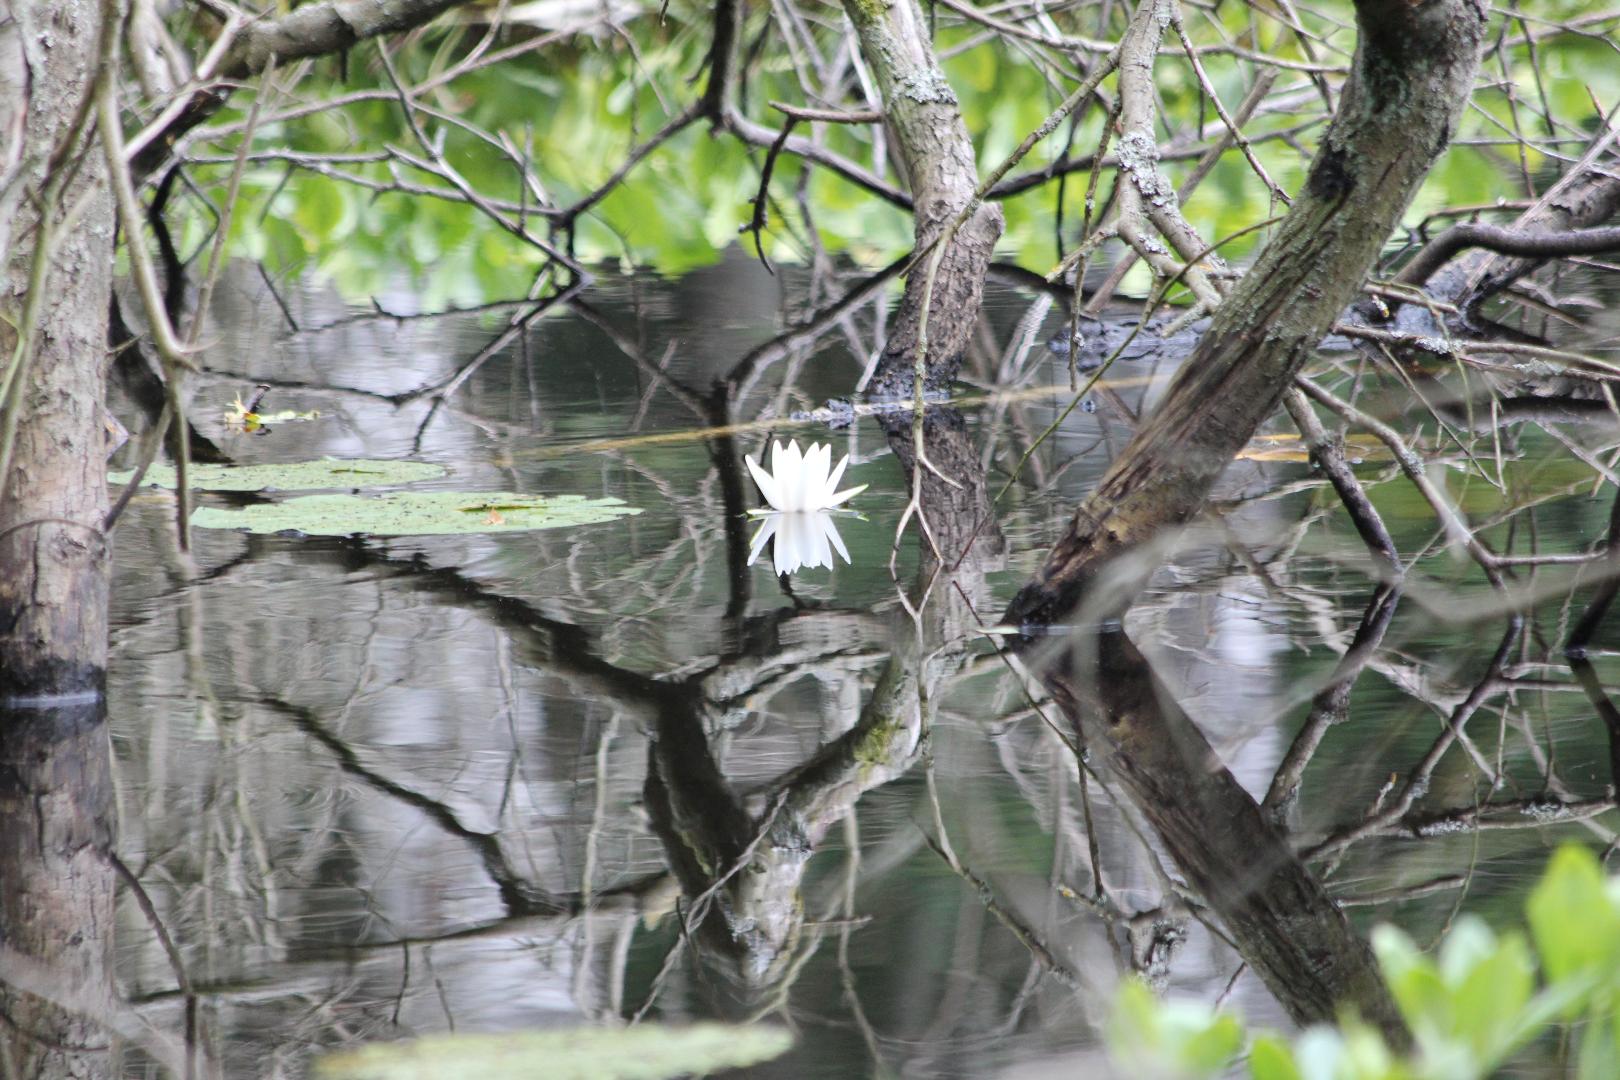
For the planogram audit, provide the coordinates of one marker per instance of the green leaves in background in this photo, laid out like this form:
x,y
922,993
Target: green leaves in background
x,y
290,476
414,513
643,1052
1469,1008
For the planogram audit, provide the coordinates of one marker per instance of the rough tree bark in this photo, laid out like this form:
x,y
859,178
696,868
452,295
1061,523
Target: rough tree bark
x,y
56,885
1412,75
53,565
937,156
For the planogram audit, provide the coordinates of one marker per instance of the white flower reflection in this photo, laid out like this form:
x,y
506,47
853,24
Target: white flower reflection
x,y
800,489
803,539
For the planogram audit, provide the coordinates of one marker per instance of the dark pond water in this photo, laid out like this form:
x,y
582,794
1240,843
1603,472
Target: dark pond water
x,y
377,788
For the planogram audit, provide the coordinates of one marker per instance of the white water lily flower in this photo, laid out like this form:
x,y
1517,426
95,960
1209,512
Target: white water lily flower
x,y
802,480
803,539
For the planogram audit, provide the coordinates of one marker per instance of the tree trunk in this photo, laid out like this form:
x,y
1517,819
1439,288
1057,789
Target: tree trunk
x,y
937,155
53,556
1412,75
56,892
56,884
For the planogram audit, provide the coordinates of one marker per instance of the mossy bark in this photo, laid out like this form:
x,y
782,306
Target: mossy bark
x,y
1412,75
1407,88
937,156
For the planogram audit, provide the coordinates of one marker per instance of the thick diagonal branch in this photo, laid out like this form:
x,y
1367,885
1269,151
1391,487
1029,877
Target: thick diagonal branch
x,y
1413,73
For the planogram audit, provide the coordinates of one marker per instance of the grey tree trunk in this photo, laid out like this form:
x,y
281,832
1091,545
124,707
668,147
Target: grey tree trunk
x,y
53,556
922,113
56,883
1412,75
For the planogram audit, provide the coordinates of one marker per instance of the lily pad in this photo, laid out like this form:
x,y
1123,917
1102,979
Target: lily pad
x,y
414,513
291,476
643,1052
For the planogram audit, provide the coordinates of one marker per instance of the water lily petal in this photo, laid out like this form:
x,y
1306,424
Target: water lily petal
x,y
831,483
768,486
787,466
816,461
768,525
830,527
843,497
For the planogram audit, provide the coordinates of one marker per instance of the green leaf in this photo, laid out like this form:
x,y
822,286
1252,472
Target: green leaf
x,y
643,1052
414,513
1271,1059
1597,1058
1415,983
1574,922
1489,1000
1171,1038
290,476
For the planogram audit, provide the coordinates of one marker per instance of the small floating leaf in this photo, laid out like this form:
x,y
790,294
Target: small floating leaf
x,y
414,513
643,1052
291,476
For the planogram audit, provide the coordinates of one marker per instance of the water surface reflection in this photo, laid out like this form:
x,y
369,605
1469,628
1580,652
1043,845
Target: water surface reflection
x,y
383,788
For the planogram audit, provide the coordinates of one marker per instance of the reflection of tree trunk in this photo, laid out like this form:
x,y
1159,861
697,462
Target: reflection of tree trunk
x,y
56,887
741,860
53,572
1413,73
921,110
1281,919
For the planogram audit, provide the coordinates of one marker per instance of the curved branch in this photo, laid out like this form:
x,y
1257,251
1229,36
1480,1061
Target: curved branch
x,y
1526,243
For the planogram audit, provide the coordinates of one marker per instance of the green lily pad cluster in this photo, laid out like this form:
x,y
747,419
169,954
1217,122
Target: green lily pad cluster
x,y
391,513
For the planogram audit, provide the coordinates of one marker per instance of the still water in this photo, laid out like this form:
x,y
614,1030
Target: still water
x,y
380,788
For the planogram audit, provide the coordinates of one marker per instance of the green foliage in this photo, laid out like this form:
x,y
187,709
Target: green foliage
x,y
643,1052
1469,1009
577,108
1171,1038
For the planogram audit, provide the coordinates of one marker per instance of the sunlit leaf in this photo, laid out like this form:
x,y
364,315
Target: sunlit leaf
x,y
643,1052
414,513
1171,1039
1271,1059
1575,925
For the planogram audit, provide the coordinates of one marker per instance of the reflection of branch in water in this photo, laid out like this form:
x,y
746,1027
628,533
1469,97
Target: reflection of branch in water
x,y
747,867
1417,781
521,897
1026,934
1575,650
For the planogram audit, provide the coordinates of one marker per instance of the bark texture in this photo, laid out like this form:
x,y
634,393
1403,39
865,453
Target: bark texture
x,y
318,29
53,555
1412,75
56,890
56,884
937,156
